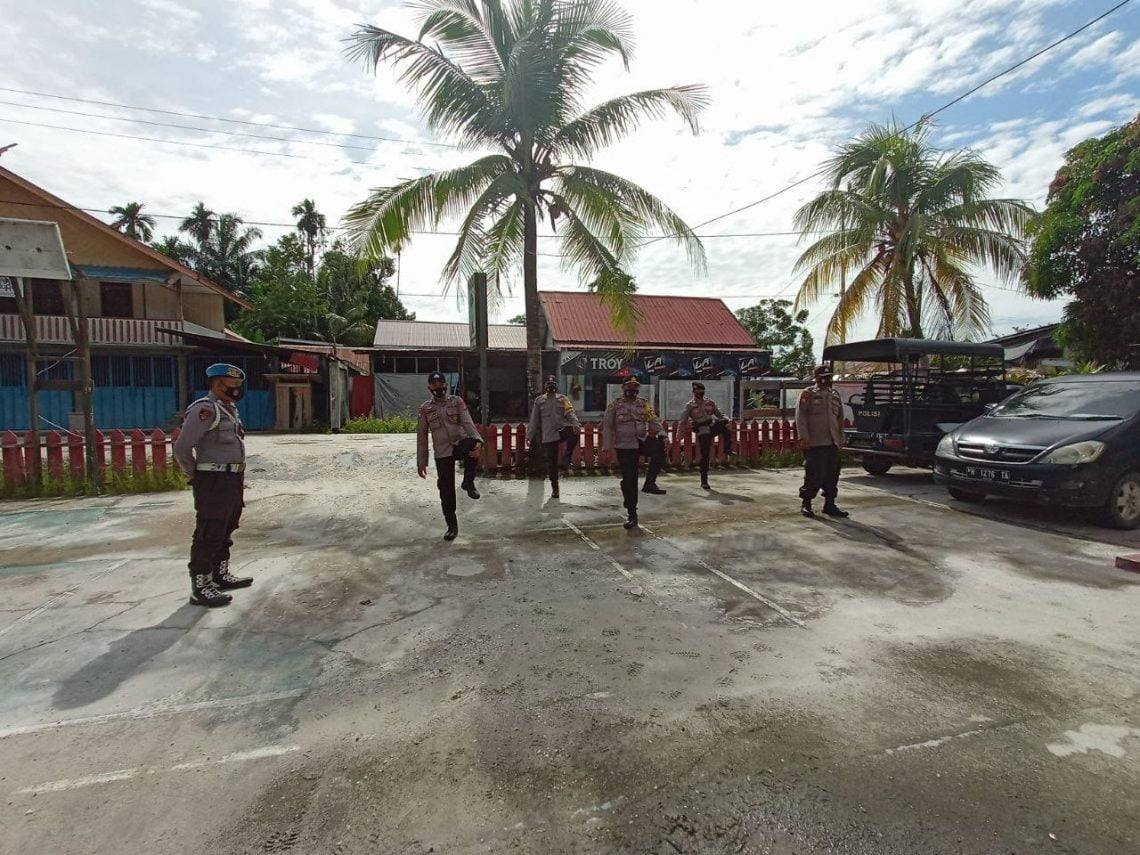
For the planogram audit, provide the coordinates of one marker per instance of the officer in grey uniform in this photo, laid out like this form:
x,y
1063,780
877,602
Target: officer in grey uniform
x,y
550,418
453,435
633,429
819,422
709,423
211,451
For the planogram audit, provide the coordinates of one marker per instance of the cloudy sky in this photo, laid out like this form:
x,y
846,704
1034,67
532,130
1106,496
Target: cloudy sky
x,y
788,80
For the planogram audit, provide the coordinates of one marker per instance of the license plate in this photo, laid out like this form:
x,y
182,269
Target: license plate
x,y
984,474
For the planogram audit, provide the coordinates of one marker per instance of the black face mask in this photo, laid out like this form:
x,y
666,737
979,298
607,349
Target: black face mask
x,y
551,388
439,393
631,393
236,394
698,393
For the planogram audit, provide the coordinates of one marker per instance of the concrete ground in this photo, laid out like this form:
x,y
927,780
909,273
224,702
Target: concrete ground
x,y
922,678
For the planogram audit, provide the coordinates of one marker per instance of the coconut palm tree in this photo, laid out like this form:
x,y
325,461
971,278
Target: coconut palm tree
x,y
511,75
228,256
199,224
312,225
174,247
905,227
130,220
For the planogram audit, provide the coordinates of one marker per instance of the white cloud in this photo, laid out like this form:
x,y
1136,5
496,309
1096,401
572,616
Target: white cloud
x,y
1096,52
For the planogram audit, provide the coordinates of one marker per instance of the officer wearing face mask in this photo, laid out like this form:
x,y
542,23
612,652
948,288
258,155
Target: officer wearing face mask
x,y
819,422
453,437
211,451
633,429
709,423
554,423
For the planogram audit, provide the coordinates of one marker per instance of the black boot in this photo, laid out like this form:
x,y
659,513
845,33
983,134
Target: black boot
x,y
833,510
452,528
631,521
203,592
653,488
469,488
705,484
224,580
554,491
806,510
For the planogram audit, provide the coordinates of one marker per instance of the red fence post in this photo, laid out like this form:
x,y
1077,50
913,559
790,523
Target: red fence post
x,y
13,460
118,451
158,451
75,460
54,443
30,455
588,445
508,442
491,455
101,452
138,453
766,436
520,444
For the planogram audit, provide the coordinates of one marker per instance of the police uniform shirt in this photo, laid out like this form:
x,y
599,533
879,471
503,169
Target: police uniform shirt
x,y
552,413
819,416
448,421
212,428
628,422
701,414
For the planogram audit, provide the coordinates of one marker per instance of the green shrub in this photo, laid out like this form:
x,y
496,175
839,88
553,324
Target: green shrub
x,y
115,483
389,424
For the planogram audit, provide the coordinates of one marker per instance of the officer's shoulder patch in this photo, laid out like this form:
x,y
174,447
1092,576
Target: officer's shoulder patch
x,y
462,403
610,407
203,414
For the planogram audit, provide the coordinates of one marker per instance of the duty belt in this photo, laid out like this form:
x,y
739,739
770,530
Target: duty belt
x,y
220,467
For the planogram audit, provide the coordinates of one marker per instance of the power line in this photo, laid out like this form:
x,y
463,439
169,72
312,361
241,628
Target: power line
x,y
911,126
221,119
182,142
188,127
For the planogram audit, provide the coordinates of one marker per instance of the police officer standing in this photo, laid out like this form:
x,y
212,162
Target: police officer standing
x,y
211,451
709,423
453,435
552,422
633,429
819,421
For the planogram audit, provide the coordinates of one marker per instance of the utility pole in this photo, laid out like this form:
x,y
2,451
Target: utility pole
x,y
83,386
31,360
477,301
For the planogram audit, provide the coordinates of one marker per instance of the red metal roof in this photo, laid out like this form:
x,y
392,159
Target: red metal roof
x,y
579,319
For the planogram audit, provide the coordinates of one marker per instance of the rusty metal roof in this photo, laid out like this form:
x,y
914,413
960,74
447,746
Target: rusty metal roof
x,y
579,319
435,335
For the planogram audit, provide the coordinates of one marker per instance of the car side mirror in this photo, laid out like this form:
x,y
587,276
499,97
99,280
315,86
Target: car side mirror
x,y
990,407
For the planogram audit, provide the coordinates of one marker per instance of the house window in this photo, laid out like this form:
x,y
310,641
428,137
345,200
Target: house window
x,y
116,299
405,365
47,297
8,296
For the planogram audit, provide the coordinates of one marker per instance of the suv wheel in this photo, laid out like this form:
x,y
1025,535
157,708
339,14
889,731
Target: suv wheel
x,y
876,465
1123,508
965,495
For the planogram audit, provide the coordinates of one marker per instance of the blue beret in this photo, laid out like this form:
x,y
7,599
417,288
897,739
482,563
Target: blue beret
x,y
221,369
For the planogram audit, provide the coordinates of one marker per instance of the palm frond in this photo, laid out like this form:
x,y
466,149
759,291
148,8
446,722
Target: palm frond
x,y
852,302
472,247
384,222
504,244
639,206
614,119
468,34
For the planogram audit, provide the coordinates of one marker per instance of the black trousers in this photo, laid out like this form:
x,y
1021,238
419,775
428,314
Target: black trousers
x,y
821,472
445,480
217,505
705,443
628,460
570,438
553,452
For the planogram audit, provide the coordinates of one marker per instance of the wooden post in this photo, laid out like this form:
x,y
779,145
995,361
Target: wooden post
x,y
54,443
11,458
75,455
138,453
158,452
27,316
77,315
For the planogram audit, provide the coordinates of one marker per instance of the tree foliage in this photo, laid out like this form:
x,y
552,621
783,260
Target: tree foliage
x,y
512,77
904,224
777,327
130,220
1086,244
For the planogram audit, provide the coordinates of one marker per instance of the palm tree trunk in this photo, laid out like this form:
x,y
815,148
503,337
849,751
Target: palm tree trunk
x,y
533,307
913,308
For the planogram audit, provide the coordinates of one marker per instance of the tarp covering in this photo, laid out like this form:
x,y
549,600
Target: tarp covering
x,y
904,349
403,393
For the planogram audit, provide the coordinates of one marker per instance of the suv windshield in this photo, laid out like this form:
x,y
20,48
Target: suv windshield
x,y
1094,400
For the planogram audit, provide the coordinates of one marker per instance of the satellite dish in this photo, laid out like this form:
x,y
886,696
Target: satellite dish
x,y
32,249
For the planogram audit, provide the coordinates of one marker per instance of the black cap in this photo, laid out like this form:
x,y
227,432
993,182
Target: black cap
x,y
436,376
631,381
823,371
697,384
550,378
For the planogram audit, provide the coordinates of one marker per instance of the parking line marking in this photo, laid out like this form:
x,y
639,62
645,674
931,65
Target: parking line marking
x,y
59,598
154,711
776,607
127,774
613,561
